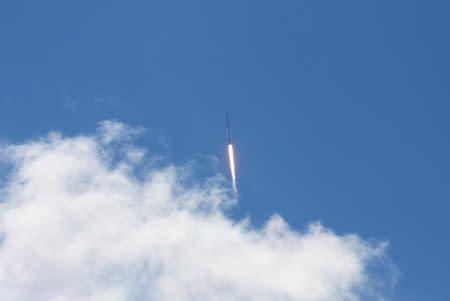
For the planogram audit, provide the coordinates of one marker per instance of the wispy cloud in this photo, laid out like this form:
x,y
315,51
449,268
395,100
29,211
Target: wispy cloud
x,y
70,104
77,225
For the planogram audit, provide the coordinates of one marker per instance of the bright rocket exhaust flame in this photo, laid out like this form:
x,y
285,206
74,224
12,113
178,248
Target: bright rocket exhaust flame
x,y
232,166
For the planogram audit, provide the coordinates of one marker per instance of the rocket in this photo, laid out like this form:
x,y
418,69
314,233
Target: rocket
x,y
230,149
228,129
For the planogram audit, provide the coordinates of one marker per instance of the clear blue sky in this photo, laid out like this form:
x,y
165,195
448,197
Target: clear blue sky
x,y
339,109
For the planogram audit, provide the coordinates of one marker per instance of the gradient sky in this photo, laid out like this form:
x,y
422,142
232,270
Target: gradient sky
x,y
339,110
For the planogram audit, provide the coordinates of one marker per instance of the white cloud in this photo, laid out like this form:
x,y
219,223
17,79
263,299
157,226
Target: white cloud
x,y
78,224
110,130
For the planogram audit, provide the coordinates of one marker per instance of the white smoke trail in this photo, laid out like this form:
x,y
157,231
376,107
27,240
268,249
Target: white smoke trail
x,y
232,166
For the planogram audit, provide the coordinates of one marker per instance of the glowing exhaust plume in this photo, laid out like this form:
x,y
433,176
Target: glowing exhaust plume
x,y
232,166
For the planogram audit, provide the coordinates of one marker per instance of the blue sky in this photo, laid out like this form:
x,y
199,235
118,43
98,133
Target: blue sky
x,y
339,111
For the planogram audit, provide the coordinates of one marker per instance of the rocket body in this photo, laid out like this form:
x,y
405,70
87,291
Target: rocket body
x,y
228,129
231,158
